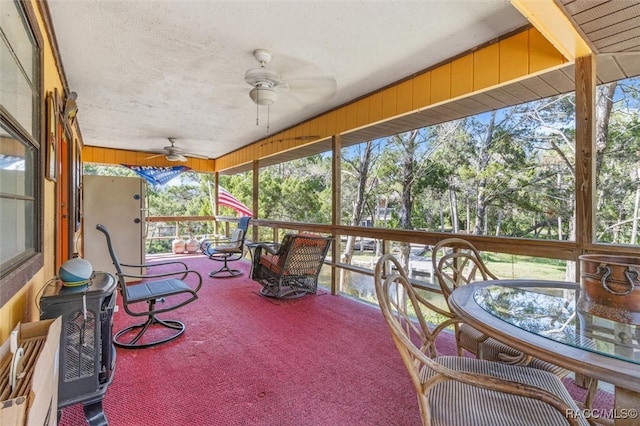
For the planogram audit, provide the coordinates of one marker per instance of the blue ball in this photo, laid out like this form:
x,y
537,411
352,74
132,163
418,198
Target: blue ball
x,y
75,270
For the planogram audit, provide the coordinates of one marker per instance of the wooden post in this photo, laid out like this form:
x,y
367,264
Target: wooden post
x,y
585,82
585,168
216,209
256,193
337,205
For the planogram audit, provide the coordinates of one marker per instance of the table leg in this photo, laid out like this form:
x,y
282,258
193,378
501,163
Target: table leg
x,y
626,407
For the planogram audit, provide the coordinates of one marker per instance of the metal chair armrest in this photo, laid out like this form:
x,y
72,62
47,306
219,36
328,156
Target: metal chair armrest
x,y
149,265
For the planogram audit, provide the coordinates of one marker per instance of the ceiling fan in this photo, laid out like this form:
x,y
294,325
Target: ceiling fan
x,y
265,82
174,153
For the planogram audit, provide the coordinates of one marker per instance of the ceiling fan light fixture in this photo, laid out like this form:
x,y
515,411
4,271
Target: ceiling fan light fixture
x,y
263,95
175,157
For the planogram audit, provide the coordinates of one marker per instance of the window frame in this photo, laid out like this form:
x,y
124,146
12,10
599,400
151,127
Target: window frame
x,y
32,260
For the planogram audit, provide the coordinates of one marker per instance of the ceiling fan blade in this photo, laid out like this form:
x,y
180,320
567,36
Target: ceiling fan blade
x,y
191,154
282,87
154,156
320,85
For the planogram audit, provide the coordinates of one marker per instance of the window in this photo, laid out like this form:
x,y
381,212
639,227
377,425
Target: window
x,y
617,159
20,165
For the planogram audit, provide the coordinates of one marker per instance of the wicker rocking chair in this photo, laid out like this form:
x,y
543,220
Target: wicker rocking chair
x,y
291,269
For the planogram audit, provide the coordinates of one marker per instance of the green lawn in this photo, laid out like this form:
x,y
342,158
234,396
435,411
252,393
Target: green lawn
x,y
511,266
504,266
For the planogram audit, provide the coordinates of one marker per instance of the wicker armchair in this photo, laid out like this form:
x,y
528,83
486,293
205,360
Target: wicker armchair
x,y
460,265
459,390
291,268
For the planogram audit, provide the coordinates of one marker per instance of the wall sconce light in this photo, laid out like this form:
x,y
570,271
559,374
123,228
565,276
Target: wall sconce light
x,y
70,107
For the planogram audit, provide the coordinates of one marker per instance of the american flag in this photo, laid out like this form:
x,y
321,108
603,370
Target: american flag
x,y
226,199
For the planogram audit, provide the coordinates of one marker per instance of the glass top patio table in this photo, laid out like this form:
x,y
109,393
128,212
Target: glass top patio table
x,y
539,318
552,313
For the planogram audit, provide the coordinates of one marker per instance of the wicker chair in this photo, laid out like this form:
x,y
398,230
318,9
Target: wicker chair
x,y
459,390
291,268
460,265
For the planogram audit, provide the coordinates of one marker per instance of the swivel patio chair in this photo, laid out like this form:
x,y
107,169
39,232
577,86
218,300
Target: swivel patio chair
x,y
460,265
169,291
231,251
290,270
460,391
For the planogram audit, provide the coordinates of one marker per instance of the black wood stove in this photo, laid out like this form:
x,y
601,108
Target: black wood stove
x,y
87,353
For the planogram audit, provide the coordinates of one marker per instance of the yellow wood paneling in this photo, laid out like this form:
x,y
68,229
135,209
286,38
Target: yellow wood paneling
x,y
115,157
462,76
422,90
486,67
389,100
404,100
322,125
311,128
341,119
286,139
110,156
441,83
542,53
514,57
332,122
375,107
351,117
363,112
271,148
130,157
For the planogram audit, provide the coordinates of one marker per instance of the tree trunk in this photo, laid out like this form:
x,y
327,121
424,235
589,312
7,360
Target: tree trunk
x,y
483,161
361,169
604,104
407,177
454,210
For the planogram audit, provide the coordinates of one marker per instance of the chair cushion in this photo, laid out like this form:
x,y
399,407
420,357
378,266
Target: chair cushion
x,y
153,289
472,339
455,403
272,262
304,261
223,249
309,240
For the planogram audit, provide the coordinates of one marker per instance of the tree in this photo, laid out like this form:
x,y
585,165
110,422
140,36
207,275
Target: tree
x,y
357,166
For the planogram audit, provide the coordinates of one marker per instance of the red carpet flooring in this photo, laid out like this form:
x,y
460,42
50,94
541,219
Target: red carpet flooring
x,y
248,360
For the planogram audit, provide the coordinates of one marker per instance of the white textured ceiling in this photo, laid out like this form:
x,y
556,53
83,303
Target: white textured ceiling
x,y
146,70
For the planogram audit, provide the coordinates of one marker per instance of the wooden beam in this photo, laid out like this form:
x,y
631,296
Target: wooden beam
x,y
549,19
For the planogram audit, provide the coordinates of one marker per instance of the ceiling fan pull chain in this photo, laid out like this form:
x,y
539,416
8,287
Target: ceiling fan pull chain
x,y
257,107
268,117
